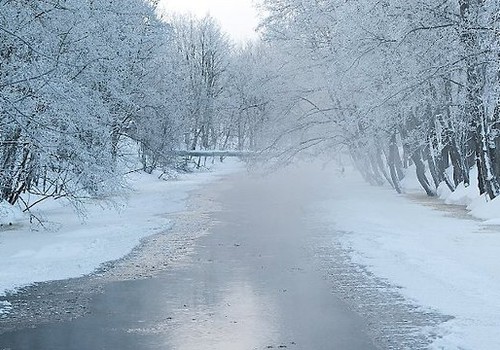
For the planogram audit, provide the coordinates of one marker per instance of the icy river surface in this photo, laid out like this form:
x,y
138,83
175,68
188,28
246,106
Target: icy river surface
x,y
261,278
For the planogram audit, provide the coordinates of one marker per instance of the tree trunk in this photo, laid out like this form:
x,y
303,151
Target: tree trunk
x,y
393,155
422,178
380,163
470,11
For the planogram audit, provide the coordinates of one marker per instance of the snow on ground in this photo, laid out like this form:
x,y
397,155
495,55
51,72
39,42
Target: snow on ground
x,y
72,247
9,214
447,263
479,206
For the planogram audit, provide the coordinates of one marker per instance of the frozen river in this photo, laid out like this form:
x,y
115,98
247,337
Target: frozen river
x,y
249,284
268,275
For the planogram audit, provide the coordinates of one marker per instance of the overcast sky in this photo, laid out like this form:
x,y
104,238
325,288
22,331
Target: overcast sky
x,y
237,17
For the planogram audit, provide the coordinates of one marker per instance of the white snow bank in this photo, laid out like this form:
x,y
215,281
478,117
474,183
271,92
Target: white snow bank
x,y
9,214
410,182
479,206
464,195
447,263
73,248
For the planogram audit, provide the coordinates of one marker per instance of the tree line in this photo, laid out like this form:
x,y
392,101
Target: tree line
x,y
396,84
85,83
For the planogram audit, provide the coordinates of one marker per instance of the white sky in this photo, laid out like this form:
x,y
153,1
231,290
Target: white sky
x,y
238,18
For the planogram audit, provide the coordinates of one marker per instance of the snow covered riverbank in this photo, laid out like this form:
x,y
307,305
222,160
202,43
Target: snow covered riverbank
x,y
445,262
72,247
443,259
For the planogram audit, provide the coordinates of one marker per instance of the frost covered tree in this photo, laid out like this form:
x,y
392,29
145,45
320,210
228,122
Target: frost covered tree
x,y
50,124
76,79
204,52
84,83
408,84
249,96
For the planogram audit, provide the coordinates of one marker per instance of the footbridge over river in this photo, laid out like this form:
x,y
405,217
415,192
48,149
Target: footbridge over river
x,y
216,153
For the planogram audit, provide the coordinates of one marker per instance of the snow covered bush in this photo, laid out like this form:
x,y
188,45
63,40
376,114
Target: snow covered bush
x,y
9,215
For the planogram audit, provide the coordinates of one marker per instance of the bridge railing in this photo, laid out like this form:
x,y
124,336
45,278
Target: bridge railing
x,y
213,153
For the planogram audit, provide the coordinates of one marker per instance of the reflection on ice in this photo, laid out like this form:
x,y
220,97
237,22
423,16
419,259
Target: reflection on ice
x,y
242,319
